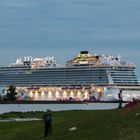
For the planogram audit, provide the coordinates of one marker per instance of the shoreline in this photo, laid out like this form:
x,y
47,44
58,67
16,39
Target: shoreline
x,y
57,102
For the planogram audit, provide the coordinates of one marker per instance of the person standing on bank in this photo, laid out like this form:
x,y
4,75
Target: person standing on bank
x,y
120,99
48,123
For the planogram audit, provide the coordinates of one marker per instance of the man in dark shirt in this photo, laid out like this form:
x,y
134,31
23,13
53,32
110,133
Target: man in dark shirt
x,y
120,99
47,122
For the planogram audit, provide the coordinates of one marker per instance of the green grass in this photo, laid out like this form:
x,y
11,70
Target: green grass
x,y
91,125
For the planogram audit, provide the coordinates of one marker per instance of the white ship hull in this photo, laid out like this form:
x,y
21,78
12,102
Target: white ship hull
x,y
128,93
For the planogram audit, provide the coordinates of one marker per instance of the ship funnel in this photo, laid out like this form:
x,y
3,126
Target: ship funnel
x,y
84,52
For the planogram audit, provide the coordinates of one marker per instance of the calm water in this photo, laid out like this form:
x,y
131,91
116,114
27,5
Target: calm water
x,y
4,108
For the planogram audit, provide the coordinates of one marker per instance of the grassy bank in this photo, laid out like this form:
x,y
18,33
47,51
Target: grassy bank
x,y
91,125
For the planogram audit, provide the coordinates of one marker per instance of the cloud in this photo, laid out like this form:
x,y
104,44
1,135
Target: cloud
x,y
17,3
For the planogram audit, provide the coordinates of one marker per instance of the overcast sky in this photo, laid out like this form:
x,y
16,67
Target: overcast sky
x,y
64,27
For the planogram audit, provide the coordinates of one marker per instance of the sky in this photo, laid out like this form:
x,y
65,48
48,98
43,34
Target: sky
x,y
62,28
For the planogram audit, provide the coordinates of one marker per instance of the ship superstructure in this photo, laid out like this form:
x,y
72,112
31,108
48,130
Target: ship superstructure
x,y
82,77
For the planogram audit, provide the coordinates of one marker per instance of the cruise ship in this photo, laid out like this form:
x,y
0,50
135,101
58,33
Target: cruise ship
x,y
84,78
